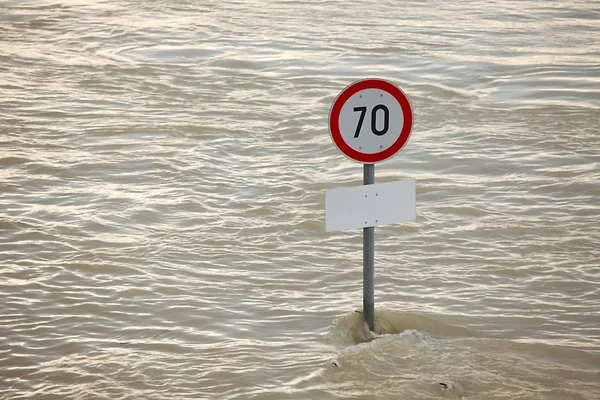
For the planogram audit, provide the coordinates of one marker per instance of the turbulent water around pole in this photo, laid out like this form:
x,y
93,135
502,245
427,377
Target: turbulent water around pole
x,y
163,168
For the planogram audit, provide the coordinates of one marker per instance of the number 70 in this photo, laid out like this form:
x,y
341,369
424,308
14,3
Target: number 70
x,y
361,119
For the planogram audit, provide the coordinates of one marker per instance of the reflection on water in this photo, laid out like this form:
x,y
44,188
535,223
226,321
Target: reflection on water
x,y
162,180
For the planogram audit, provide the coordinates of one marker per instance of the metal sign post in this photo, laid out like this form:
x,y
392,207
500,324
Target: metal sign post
x,y
369,122
369,259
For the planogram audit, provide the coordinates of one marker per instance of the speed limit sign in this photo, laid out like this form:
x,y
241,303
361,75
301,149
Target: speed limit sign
x,y
370,121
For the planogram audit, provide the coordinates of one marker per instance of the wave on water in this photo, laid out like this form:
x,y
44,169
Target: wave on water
x,y
411,353
350,329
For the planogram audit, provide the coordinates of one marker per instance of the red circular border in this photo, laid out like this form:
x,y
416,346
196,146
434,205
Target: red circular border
x,y
336,108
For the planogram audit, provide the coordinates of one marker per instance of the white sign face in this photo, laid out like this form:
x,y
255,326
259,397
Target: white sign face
x,y
370,205
371,121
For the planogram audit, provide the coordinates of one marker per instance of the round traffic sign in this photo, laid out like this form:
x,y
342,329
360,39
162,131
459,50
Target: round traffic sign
x,y
370,120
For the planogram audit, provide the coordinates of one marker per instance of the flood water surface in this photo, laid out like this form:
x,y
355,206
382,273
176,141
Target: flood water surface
x,y
163,168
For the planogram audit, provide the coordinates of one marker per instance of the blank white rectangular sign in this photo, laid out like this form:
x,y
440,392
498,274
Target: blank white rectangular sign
x,y
370,205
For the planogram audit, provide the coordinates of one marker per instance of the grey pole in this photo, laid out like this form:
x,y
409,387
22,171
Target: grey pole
x,y
369,259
